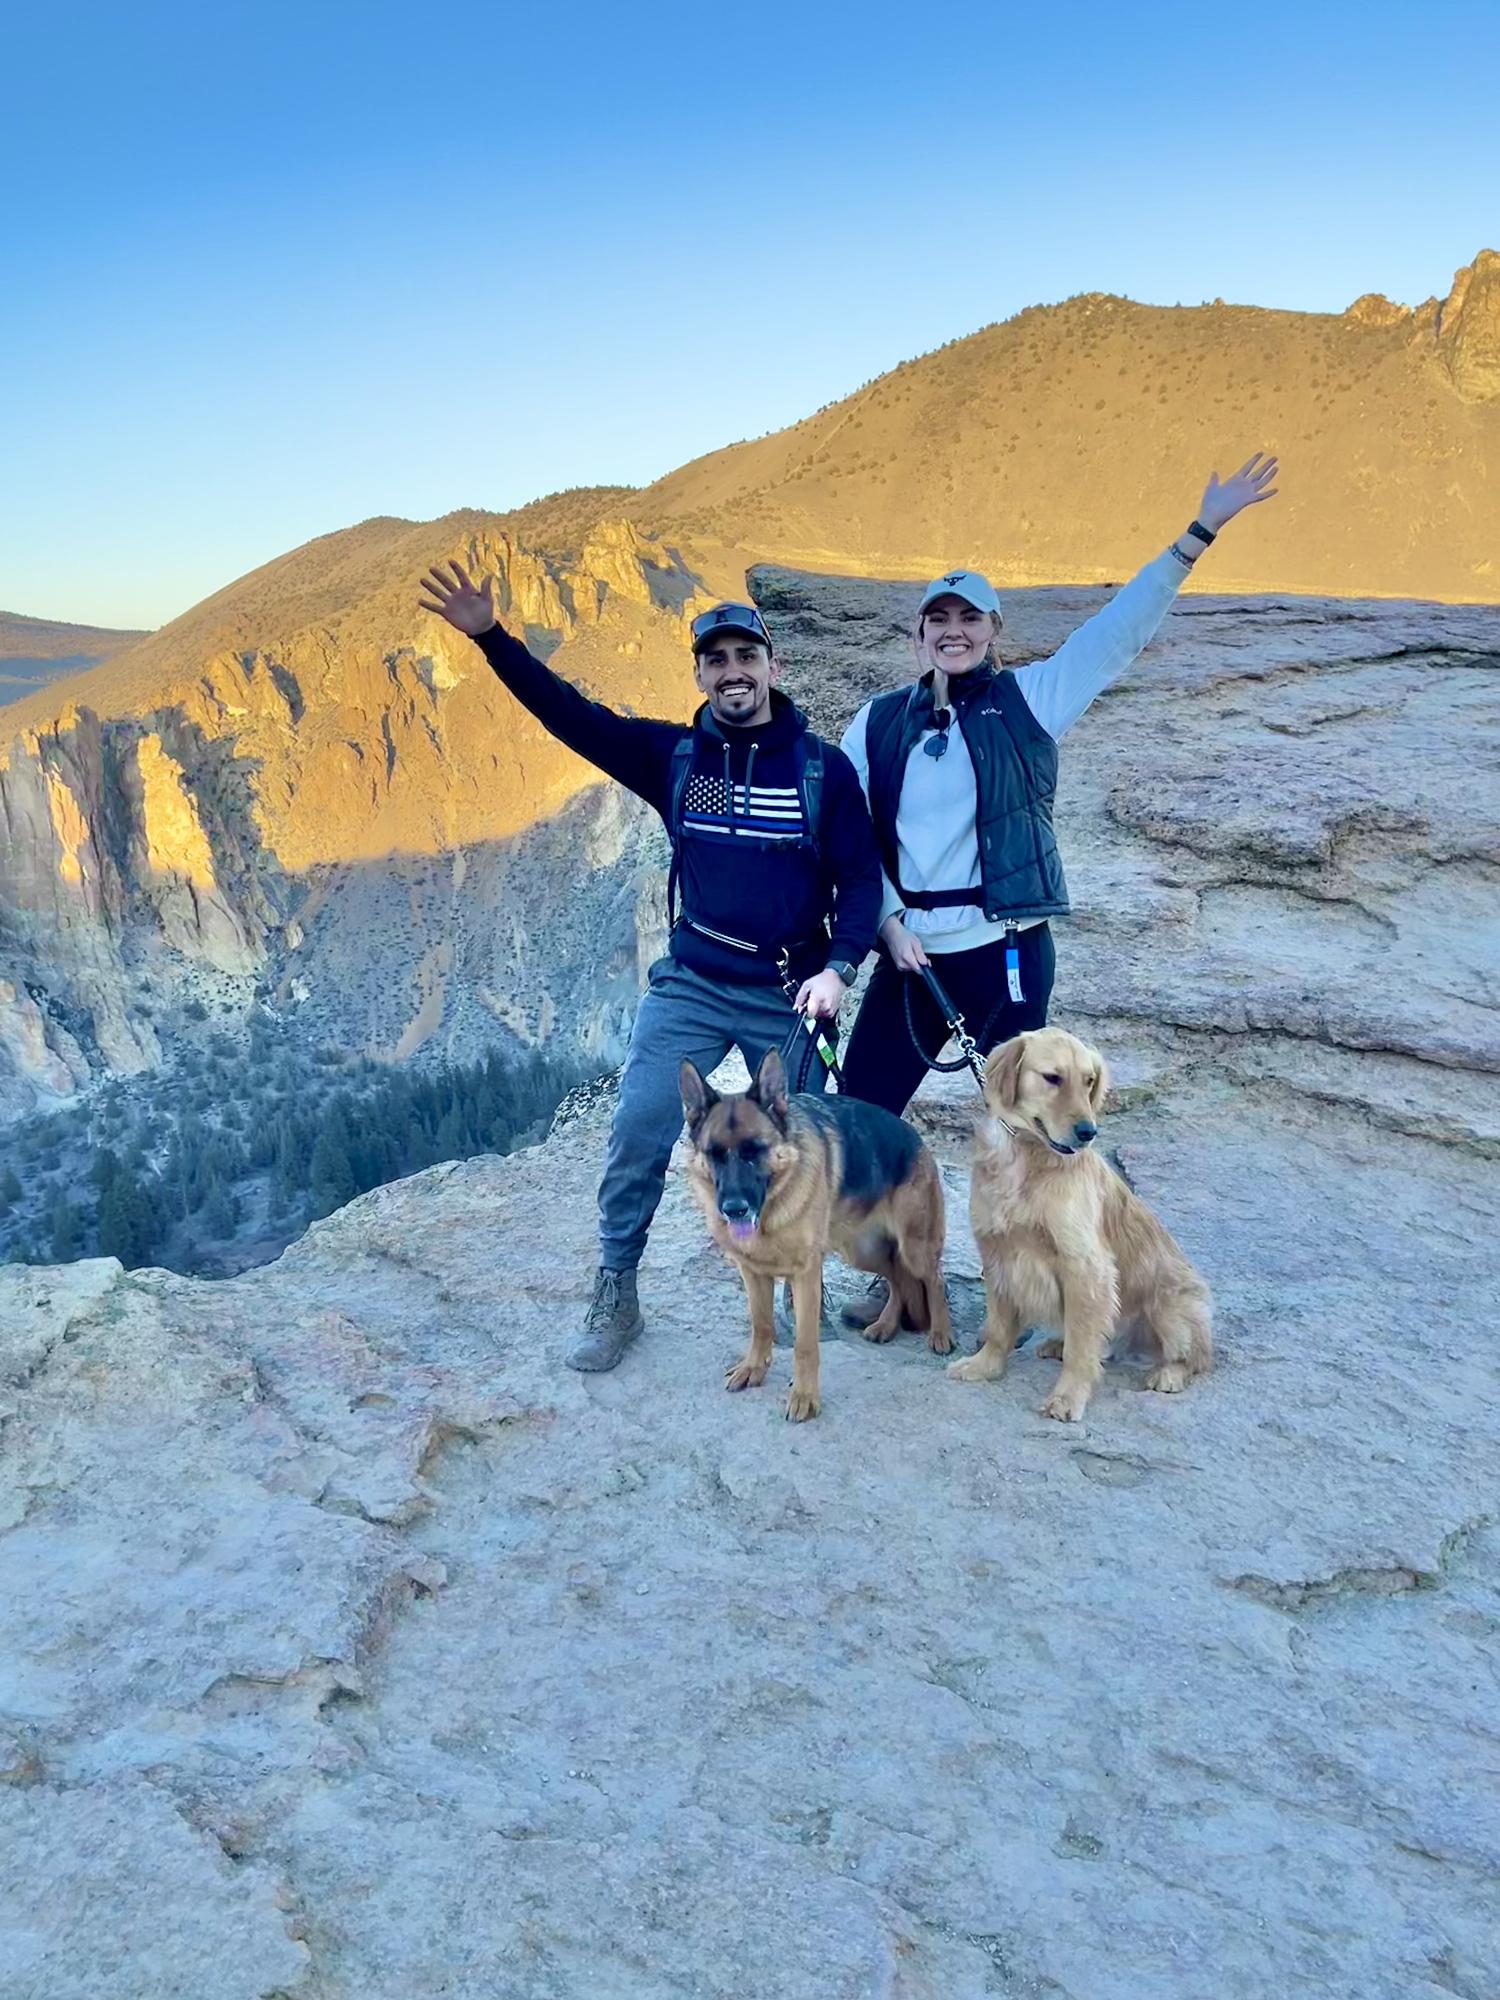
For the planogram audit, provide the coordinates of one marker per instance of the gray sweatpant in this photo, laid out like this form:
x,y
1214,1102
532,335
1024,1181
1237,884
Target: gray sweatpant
x,y
681,1014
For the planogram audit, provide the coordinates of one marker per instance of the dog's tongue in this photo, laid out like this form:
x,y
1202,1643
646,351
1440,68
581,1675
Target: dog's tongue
x,y
744,1229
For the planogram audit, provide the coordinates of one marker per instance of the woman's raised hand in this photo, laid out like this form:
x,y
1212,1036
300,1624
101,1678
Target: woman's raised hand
x,y
1245,488
469,609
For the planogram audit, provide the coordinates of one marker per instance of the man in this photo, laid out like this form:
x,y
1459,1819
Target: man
x,y
774,855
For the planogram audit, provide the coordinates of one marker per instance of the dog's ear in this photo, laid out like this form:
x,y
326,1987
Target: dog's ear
x,y
1002,1071
1099,1088
697,1099
769,1087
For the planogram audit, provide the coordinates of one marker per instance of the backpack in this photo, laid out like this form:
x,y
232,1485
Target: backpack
x,y
807,754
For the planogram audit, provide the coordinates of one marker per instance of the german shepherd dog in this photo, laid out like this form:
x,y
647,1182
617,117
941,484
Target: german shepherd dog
x,y
784,1179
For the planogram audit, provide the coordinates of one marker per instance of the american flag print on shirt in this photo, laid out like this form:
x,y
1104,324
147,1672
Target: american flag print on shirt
x,y
766,812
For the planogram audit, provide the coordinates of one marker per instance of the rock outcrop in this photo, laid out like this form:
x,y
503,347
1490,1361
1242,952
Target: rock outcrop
x,y
1468,329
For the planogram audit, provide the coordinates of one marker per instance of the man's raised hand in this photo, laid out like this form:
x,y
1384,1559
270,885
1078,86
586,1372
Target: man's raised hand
x,y
466,608
1245,488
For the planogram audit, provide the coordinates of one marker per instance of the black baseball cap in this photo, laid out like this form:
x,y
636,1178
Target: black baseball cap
x,y
730,618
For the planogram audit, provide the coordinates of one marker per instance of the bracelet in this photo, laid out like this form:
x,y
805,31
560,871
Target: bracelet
x,y
1186,561
1204,534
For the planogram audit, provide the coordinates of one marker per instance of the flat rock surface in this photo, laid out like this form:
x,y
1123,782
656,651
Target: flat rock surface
x,y
357,1649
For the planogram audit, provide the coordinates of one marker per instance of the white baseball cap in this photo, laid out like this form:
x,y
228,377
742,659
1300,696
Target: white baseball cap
x,y
965,583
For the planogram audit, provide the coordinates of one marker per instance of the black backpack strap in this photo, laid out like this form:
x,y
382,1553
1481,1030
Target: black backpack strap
x,y
682,770
810,767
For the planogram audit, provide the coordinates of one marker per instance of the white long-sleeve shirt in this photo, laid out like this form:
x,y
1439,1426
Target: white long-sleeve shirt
x,y
937,836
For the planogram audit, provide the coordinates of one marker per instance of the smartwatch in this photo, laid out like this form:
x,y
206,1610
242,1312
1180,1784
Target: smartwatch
x,y
847,972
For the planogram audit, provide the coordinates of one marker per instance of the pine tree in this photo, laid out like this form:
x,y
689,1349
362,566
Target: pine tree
x,y
130,1220
331,1172
221,1214
64,1229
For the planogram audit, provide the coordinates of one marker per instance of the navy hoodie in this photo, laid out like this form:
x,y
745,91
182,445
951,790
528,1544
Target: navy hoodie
x,y
745,868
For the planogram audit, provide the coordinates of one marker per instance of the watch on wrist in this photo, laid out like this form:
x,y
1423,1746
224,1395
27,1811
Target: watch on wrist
x,y
844,969
1204,534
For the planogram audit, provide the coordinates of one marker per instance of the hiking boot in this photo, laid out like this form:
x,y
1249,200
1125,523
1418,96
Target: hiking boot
x,y
865,1311
614,1320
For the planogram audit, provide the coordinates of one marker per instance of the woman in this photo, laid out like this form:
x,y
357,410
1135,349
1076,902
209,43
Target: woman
x,y
960,771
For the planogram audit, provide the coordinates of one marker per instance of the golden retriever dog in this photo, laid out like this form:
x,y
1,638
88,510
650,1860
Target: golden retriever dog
x,y
1063,1241
782,1179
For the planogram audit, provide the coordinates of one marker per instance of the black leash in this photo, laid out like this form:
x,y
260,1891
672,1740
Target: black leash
x,y
807,1036
971,1056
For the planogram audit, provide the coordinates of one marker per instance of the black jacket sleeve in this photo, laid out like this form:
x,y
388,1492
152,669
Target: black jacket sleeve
x,y
851,858
636,751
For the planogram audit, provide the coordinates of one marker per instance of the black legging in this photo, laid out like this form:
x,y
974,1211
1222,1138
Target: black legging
x,y
882,1065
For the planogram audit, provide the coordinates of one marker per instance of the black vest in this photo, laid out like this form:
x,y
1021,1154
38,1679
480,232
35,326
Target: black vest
x,y
1015,780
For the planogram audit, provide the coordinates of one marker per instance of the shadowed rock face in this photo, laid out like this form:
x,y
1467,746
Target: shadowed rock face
x,y
357,1648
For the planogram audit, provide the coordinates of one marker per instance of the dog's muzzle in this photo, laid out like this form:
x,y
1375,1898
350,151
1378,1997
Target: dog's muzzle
x,y
1083,1136
741,1218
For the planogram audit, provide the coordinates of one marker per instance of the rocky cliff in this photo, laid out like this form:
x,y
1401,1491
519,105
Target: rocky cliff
x,y
311,791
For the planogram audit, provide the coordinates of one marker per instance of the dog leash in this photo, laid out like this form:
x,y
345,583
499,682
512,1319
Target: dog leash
x,y
970,1057
817,1036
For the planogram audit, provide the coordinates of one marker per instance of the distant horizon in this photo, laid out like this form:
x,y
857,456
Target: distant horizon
x,y
284,272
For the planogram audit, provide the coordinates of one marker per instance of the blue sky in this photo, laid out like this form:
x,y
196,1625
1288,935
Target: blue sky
x,y
268,271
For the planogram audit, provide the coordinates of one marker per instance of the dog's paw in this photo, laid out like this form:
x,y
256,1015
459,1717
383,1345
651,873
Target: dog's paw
x,y
1169,1378
746,1375
880,1332
1066,1404
1049,1350
940,1342
802,1404
980,1367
